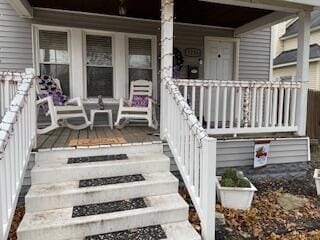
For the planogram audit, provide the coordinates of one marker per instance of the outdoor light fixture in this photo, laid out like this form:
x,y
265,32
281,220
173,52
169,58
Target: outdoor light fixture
x,y
122,8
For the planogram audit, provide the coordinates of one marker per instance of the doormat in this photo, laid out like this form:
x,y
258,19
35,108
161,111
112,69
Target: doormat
x,y
96,141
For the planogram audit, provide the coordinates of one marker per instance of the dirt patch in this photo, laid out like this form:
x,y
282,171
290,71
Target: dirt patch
x,y
19,213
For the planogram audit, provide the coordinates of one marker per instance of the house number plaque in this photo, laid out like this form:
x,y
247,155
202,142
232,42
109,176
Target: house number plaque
x,y
192,52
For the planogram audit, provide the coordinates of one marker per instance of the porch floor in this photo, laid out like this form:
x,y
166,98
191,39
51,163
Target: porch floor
x,y
61,137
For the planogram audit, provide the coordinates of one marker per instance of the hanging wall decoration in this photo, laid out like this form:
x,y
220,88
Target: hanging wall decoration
x,y
177,59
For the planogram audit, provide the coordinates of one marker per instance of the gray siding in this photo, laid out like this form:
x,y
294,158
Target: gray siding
x,y
255,56
15,39
16,43
240,153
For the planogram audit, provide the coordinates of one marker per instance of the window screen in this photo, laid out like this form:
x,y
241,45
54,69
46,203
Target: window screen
x,y
54,57
99,66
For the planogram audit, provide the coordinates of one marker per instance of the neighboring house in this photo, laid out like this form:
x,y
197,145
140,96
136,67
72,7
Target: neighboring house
x,y
209,63
285,50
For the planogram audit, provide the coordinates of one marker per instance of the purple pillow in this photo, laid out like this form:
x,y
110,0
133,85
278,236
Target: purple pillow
x,y
140,101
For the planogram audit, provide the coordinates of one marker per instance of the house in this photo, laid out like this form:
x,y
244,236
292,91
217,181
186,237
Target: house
x,y
285,45
215,101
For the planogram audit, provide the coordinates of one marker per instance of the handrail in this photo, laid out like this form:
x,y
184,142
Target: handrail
x,y
17,137
194,152
243,107
234,83
8,87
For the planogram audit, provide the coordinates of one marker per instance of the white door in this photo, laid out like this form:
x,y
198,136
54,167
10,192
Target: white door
x,y
219,65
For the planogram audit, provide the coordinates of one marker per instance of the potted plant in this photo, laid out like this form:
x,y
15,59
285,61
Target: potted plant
x,y
234,190
316,177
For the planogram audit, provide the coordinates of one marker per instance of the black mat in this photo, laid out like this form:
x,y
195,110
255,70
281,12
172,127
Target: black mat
x,y
98,158
145,233
108,207
110,180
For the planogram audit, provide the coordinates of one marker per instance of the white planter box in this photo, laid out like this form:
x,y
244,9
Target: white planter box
x,y
317,180
233,197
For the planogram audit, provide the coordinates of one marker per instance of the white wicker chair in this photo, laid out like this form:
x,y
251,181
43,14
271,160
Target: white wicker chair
x,y
73,108
128,112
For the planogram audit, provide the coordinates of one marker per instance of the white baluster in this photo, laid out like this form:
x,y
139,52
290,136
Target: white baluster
x,y
224,107
216,110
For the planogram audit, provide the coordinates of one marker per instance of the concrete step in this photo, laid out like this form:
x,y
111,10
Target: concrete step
x,y
176,231
43,197
58,170
59,224
63,153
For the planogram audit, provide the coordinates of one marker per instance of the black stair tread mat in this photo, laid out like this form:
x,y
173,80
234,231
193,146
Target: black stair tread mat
x,y
97,158
145,233
108,207
110,180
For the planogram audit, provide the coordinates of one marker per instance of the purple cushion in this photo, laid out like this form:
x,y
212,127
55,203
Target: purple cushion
x,y
49,88
140,101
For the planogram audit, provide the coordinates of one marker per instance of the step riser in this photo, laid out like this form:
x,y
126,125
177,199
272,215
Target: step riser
x,y
95,151
43,203
74,173
104,226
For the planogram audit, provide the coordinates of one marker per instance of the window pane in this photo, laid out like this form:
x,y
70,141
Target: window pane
x,y
60,71
53,46
140,52
99,50
100,81
140,74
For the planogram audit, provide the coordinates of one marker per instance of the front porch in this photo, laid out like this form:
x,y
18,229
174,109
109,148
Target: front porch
x,y
209,64
60,138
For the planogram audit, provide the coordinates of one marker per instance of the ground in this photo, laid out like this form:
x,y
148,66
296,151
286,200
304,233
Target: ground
x,y
266,220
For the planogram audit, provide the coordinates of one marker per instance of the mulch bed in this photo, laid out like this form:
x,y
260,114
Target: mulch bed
x,y
15,223
267,220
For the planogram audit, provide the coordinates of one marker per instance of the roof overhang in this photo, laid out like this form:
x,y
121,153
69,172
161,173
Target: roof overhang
x,y
291,6
22,7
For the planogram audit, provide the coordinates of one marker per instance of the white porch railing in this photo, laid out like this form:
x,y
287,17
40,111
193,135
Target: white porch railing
x,y
235,107
194,152
17,136
8,87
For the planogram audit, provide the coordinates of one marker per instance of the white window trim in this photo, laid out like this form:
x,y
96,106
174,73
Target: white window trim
x,y
36,48
153,61
120,83
84,52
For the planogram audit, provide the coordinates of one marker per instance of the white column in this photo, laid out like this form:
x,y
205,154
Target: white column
x,y
166,42
77,81
303,70
121,81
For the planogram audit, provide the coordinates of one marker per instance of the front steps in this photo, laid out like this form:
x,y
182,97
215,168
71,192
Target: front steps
x,y
67,201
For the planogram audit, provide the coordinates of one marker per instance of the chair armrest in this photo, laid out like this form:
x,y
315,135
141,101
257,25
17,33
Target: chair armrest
x,y
124,102
44,100
76,100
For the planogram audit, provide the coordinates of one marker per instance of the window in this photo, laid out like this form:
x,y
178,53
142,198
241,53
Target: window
x,y
54,57
140,59
99,66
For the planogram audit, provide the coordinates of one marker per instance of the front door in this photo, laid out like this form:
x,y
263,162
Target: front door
x,y
219,65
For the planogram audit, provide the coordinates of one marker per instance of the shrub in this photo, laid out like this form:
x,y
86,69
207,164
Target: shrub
x,y
234,178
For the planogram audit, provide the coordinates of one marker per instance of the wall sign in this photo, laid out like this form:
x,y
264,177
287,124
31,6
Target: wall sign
x,y
192,52
261,153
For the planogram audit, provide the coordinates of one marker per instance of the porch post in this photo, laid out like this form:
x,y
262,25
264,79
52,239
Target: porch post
x,y
303,70
166,43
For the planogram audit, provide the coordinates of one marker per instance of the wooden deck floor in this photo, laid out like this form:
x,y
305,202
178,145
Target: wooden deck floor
x,y
62,136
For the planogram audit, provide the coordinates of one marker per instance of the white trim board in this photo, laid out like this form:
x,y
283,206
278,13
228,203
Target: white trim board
x,y
274,5
132,18
236,62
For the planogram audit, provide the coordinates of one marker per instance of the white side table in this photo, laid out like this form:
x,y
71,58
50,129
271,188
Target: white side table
x,y
93,113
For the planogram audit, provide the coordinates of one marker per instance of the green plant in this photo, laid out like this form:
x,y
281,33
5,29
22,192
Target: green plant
x,y
233,178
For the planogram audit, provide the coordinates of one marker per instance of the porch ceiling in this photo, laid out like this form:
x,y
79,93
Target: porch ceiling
x,y
186,11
